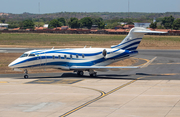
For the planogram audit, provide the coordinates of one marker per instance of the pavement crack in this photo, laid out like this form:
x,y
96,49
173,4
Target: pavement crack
x,y
172,108
135,96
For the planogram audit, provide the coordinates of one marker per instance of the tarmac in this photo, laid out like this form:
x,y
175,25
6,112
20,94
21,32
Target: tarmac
x,y
148,92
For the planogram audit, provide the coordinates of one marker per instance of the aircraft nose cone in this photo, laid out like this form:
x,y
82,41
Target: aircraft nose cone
x,y
10,65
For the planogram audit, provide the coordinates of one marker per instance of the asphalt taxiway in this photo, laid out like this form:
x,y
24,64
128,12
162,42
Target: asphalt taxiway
x,y
149,92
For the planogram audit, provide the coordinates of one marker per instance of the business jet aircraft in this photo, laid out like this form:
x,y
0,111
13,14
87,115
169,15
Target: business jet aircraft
x,y
83,59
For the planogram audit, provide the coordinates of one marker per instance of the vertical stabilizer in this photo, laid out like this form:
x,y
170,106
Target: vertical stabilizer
x,y
133,39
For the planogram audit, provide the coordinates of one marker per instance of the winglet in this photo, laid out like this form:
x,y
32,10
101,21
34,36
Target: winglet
x,y
148,63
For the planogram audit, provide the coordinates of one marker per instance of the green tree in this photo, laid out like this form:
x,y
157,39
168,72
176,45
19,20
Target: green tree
x,y
3,20
54,23
27,24
62,20
86,22
176,24
130,23
153,25
39,24
111,25
160,27
167,22
74,23
13,24
101,25
96,20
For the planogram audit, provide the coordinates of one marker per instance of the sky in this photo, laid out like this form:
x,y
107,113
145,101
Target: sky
x,y
54,6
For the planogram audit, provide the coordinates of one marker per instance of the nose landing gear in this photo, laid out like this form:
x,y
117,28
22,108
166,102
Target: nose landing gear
x,y
26,72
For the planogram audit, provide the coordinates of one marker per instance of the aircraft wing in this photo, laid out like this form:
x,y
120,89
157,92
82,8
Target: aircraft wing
x,y
110,67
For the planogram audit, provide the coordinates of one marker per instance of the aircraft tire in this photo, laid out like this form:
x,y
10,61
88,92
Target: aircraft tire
x,y
26,76
93,75
80,73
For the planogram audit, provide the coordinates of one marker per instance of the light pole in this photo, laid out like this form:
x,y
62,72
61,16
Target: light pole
x,y
128,10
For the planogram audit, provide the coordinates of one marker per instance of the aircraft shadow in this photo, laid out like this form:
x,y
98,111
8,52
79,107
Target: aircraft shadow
x,y
102,76
75,76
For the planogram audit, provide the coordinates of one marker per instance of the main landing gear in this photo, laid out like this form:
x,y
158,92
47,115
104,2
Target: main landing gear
x,y
91,73
26,72
80,73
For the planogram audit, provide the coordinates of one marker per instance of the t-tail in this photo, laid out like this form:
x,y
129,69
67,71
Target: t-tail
x,y
133,39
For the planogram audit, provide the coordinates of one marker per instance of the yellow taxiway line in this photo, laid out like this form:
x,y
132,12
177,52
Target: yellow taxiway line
x,y
3,82
103,94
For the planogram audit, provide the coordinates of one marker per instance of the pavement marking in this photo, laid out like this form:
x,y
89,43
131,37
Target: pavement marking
x,y
57,81
141,59
103,94
37,107
144,60
2,50
45,81
3,82
171,74
67,81
165,63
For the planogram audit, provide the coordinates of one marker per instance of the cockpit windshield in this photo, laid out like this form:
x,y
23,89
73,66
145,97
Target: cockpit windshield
x,y
31,54
24,55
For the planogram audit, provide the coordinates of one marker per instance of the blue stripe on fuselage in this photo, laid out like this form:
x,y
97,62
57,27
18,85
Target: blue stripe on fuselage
x,y
90,63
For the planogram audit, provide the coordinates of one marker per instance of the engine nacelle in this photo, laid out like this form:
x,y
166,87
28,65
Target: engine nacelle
x,y
104,53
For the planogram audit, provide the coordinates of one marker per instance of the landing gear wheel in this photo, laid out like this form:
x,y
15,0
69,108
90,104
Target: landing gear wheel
x,y
81,73
93,74
26,76
26,72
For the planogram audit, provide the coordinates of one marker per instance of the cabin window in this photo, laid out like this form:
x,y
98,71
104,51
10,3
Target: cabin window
x,y
31,54
65,57
71,56
59,56
53,57
24,55
82,55
76,55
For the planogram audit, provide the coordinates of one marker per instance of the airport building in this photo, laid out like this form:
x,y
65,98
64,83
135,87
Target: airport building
x,y
3,26
145,25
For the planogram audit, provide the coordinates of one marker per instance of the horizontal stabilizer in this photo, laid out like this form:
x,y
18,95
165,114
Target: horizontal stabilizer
x,y
148,31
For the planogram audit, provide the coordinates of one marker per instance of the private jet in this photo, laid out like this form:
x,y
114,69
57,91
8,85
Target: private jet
x,y
83,59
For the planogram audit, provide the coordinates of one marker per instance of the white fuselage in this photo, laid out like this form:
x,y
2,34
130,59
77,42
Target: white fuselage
x,y
65,58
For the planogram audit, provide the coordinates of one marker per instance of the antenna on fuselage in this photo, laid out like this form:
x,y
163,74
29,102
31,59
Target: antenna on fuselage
x,y
85,46
52,48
